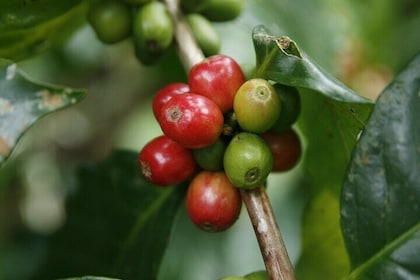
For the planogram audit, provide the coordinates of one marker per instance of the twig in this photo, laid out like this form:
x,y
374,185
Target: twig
x,y
271,244
188,51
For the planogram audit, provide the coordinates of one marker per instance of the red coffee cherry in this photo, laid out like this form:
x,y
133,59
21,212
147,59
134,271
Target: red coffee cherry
x,y
165,94
192,120
164,162
217,77
213,203
285,147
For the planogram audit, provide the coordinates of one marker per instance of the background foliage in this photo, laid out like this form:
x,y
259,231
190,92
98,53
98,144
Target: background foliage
x,y
55,198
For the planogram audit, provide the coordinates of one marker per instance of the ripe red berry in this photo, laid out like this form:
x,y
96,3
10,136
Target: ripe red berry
x,y
217,77
192,120
213,203
164,162
165,94
285,147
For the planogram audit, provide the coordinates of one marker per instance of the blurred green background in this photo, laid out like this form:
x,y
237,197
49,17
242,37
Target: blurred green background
x,y
363,43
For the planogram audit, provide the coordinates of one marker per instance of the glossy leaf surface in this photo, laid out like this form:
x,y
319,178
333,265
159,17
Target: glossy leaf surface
x,y
380,211
23,101
279,59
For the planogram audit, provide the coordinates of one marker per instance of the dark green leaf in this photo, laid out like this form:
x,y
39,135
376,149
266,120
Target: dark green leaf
x,y
23,101
380,211
118,225
29,27
89,278
279,59
331,118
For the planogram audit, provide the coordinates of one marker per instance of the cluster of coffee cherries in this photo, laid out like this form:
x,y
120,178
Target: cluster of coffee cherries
x,y
149,24
222,133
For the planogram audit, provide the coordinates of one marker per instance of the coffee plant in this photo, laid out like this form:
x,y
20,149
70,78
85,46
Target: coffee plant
x,y
209,139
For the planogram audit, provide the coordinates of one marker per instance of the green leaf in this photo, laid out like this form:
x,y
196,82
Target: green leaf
x,y
330,129
380,212
29,27
332,116
279,59
16,15
323,253
89,278
118,224
23,101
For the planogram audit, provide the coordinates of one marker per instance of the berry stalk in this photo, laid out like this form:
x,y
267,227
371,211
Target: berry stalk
x,y
188,50
269,238
259,208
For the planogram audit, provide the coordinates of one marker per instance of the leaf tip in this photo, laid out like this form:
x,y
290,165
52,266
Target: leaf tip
x,y
288,46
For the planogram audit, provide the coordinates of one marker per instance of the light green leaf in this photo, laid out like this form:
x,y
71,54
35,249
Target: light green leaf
x,y
323,253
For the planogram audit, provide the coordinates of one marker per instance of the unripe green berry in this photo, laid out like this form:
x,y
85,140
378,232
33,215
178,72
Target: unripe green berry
x,y
111,20
211,157
204,33
247,161
137,2
290,107
256,106
193,6
223,10
153,28
257,275
233,278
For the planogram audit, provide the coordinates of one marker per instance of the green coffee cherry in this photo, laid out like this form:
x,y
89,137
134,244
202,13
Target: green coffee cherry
x,y
153,28
147,57
111,20
247,161
257,275
256,105
211,157
193,6
290,107
223,10
204,33
137,2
